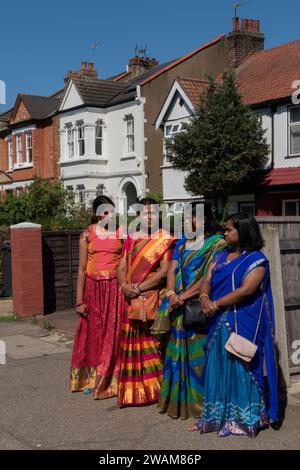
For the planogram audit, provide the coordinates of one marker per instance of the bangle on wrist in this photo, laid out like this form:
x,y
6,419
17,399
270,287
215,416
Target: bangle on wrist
x,y
79,304
203,295
170,293
137,289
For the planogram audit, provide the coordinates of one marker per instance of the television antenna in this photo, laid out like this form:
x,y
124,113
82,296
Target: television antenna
x,y
94,47
238,5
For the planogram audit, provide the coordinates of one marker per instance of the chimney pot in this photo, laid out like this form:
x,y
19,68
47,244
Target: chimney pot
x,y
235,24
244,24
256,26
84,65
91,66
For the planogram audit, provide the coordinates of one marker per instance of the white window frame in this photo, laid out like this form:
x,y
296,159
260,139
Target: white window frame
x,y
80,138
99,124
130,135
290,125
28,137
19,149
70,131
170,136
10,154
290,200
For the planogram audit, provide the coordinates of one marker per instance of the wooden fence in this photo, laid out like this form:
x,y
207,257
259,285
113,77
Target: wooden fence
x,y
60,263
289,243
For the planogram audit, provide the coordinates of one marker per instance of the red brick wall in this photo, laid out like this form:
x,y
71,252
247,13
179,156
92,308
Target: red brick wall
x,y
45,152
27,271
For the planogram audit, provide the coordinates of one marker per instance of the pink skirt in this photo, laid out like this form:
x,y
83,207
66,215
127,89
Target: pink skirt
x,y
96,354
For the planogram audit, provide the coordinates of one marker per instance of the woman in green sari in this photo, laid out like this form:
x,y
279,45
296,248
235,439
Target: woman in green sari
x,y
181,392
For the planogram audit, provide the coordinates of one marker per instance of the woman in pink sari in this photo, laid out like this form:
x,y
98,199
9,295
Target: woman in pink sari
x,y
99,304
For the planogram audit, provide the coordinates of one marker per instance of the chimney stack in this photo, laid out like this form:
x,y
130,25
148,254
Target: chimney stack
x,y
138,65
87,70
244,39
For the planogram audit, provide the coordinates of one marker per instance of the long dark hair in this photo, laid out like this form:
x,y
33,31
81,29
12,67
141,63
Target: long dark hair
x,y
211,226
250,238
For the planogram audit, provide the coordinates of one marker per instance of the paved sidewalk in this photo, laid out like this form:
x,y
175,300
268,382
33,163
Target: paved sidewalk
x,y
38,411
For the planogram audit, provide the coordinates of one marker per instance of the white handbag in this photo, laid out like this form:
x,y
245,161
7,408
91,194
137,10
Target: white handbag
x,y
237,344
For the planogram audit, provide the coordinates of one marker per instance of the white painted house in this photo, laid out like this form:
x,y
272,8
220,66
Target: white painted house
x,y
101,138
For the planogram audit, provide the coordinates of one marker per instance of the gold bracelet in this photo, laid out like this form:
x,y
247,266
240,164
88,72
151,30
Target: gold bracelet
x,y
204,295
170,292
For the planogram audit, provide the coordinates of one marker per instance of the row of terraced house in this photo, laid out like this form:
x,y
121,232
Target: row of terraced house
x,y
106,136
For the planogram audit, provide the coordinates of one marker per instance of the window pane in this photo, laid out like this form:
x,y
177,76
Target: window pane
x,y
98,147
295,114
168,130
295,139
290,208
99,131
81,148
130,143
130,125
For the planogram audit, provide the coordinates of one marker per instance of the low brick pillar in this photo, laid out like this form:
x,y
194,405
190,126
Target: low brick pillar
x,y
27,269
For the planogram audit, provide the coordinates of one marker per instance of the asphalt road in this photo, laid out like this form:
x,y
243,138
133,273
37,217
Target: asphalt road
x,y
38,411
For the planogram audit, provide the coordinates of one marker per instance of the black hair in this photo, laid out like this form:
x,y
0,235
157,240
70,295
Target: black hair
x,y
250,238
147,201
99,201
211,226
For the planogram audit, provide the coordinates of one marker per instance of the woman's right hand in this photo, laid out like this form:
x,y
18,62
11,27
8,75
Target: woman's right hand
x,y
175,300
206,306
81,310
129,291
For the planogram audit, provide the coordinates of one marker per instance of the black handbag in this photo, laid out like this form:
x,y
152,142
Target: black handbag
x,y
193,316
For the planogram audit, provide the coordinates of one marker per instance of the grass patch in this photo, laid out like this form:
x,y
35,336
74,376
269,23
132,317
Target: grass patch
x,y
10,318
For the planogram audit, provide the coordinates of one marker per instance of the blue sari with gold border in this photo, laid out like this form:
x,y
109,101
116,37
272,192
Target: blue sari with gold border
x,y
235,400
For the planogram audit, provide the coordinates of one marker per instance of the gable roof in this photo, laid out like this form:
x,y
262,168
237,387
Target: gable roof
x,y
193,88
268,75
96,92
190,89
38,107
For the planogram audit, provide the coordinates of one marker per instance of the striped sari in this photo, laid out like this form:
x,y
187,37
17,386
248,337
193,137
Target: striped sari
x,y
181,391
141,354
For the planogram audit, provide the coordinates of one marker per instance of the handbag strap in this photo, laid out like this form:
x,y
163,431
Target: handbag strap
x,y
262,302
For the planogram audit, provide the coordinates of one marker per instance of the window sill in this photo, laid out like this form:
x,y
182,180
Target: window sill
x,y
288,157
83,160
129,156
22,166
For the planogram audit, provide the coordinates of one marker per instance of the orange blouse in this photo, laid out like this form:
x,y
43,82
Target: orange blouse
x,y
104,254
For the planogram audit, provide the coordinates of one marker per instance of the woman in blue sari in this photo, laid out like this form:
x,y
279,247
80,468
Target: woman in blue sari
x,y
181,393
236,295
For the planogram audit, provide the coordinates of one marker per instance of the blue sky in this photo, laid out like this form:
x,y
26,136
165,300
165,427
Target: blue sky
x,y
41,41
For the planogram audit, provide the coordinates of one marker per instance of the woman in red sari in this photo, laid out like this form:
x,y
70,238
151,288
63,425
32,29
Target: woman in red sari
x,y
143,269
99,304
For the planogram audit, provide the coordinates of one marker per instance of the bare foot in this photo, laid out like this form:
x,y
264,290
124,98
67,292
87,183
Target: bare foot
x,y
193,428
